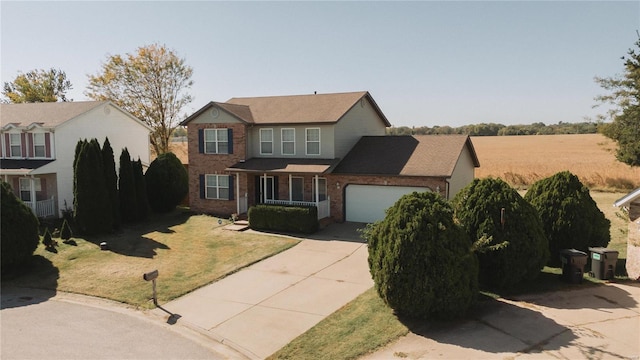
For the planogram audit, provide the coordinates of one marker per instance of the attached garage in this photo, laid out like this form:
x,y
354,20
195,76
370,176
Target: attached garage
x,y
367,203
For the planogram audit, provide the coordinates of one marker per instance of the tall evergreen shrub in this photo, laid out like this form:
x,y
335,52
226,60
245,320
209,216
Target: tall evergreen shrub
x,y
18,231
111,181
167,182
92,208
421,260
127,189
141,190
570,217
507,231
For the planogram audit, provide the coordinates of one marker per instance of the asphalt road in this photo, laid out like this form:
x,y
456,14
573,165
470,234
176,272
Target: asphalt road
x,y
45,325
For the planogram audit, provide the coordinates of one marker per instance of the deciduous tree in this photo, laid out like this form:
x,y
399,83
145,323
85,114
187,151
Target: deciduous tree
x,y
152,83
625,112
37,86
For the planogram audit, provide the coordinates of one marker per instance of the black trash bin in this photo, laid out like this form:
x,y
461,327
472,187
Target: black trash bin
x,y
603,263
573,262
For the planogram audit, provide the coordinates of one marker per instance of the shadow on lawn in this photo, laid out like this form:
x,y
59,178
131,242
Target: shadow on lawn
x,y
38,273
131,239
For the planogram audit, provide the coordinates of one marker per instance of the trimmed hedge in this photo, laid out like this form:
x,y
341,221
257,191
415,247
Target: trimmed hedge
x,y
284,218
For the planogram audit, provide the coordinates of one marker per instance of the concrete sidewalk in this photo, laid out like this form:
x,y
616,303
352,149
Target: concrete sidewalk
x,y
260,309
600,322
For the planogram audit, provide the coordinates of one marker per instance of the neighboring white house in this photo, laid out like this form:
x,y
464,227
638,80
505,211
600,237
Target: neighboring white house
x,y
38,140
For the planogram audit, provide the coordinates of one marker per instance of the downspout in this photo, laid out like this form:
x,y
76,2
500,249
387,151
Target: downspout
x,y
446,188
238,193
290,189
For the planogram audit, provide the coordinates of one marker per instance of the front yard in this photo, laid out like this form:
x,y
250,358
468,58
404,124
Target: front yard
x,y
189,251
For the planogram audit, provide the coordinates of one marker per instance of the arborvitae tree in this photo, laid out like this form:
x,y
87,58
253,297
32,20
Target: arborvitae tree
x,y
509,239
141,190
46,238
570,217
18,231
127,188
79,145
111,181
421,260
92,210
167,182
65,232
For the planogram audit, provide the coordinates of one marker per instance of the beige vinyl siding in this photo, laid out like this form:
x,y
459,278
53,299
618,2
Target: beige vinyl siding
x,y
215,115
326,141
360,120
463,173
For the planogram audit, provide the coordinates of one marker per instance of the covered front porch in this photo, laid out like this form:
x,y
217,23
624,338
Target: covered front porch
x,y
37,192
297,182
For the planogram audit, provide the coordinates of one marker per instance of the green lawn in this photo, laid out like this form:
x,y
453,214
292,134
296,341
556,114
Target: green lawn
x,y
189,251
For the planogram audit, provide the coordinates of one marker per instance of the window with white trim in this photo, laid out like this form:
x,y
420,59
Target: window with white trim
x,y
25,188
15,145
38,145
266,141
216,141
312,139
322,184
288,141
217,187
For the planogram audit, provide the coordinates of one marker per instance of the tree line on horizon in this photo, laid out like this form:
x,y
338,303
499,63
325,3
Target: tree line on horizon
x,y
492,129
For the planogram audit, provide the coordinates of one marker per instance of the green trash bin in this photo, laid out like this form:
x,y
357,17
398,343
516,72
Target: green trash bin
x,y
603,263
573,262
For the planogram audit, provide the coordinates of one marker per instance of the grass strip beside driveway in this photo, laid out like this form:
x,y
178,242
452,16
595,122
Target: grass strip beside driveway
x,y
189,251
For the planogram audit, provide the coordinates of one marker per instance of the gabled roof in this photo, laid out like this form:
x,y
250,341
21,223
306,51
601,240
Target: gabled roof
x,y
418,155
628,199
293,109
45,114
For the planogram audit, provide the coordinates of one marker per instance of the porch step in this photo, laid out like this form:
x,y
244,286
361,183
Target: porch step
x,y
240,225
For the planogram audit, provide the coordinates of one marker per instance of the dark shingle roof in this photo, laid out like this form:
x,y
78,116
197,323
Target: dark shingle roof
x,y
419,155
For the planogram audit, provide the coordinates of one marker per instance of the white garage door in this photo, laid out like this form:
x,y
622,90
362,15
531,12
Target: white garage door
x,y
367,203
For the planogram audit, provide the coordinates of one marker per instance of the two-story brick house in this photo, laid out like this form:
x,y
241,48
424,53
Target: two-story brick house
x,y
38,140
326,150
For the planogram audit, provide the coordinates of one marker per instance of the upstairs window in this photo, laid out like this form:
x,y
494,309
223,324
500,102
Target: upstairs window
x,y
313,141
38,145
15,145
266,141
216,141
288,141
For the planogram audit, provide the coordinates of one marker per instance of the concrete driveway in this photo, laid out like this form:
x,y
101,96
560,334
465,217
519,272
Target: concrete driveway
x,y
260,309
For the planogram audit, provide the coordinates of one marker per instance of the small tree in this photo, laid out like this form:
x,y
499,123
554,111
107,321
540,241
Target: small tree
x,y
507,231
167,183
570,217
127,188
46,239
111,181
18,230
141,190
421,260
65,232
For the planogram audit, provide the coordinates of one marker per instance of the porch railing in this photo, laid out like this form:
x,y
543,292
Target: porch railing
x,y
44,208
323,206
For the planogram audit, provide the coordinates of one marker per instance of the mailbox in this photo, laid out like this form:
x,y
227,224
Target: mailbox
x,y
152,275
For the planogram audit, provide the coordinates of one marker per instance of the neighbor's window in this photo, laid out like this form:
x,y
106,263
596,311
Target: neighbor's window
x,y
288,141
216,141
266,141
25,188
217,187
38,145
15,145
313,141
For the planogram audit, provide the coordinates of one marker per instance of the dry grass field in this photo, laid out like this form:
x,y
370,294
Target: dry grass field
x,y
522,160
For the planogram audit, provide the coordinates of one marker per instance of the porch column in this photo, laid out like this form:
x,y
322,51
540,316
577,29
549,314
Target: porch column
x,y
317,191
290,190
32,190
238,193
264,188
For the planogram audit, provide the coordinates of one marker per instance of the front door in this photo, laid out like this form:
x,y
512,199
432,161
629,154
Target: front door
x,y
266,193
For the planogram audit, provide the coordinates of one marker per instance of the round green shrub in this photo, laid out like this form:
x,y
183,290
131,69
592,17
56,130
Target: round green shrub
x,y
18,229
507,231
167,183
570,217
421,261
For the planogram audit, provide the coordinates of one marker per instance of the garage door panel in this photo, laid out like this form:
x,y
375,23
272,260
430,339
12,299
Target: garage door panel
x,y
367,203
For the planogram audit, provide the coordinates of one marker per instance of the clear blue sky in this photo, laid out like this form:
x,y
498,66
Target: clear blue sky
x,y
425,63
